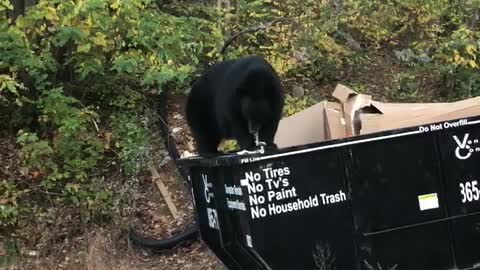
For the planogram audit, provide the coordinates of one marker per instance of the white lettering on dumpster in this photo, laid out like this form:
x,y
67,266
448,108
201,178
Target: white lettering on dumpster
x,y
333,198
470,191
236,204
211,213
233,190
212,218
270,192
466,146
299,204
442,126
258,212
206,188
251,181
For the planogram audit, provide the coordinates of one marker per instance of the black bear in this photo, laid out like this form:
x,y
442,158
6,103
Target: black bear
x,y
235,99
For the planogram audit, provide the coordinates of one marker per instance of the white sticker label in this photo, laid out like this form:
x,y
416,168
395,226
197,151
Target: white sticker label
x,y
249,240
428,201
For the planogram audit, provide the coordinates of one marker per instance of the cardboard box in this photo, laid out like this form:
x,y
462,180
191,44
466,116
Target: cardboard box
x,y
320,122
356,114
303,127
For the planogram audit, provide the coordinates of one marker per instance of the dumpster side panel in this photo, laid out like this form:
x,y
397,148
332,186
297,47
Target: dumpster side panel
x,y
425,247
210,223
236,227
460,156
398,204
406,199
395,183
466,231
299,211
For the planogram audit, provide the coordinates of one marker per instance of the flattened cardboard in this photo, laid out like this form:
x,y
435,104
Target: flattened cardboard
x,y
413,115
301,128
378,122
451,114
389,108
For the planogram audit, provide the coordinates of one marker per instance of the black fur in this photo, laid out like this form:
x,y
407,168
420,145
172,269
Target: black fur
x,y
232,100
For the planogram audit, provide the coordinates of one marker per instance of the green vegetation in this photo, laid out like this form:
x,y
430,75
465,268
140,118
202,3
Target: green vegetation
x,y
78,78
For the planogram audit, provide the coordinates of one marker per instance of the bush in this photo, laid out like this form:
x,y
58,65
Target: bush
x,y
458,56
134,141
66,66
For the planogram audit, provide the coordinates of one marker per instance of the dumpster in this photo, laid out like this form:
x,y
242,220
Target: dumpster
x,y
406,198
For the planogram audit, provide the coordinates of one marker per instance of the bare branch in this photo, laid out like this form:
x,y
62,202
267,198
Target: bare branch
x,y
251,30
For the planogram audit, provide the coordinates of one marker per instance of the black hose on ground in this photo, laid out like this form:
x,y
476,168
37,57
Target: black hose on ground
x,y
191,232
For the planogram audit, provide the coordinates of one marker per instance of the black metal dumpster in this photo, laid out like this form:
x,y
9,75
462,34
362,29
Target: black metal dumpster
x,y
405,199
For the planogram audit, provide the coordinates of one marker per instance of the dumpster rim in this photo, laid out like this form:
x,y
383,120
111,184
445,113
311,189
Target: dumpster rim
x,y
236,159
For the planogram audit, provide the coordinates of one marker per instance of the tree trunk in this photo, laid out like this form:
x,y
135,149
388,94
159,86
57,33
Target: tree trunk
x,y
18,9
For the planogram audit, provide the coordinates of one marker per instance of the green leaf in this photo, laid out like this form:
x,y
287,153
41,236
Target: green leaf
x,y
125,65
84,48
68,33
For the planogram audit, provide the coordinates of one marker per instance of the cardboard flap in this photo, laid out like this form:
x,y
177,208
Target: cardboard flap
x,y
352,104
343,93
356,103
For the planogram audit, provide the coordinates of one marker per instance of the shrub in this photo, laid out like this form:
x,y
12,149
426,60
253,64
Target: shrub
x,y
66,66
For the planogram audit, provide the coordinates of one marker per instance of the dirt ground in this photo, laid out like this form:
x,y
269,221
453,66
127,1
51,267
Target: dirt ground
x,y
106,248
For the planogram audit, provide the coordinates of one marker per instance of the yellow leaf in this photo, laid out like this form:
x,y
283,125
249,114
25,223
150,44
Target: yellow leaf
x,y
115,4
456,56
89,21
51,14
470,49
99,40
472,64
152,58
85,48
210,53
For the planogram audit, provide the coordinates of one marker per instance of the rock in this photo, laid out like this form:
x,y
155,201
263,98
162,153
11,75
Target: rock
x,y
301,55
298,91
